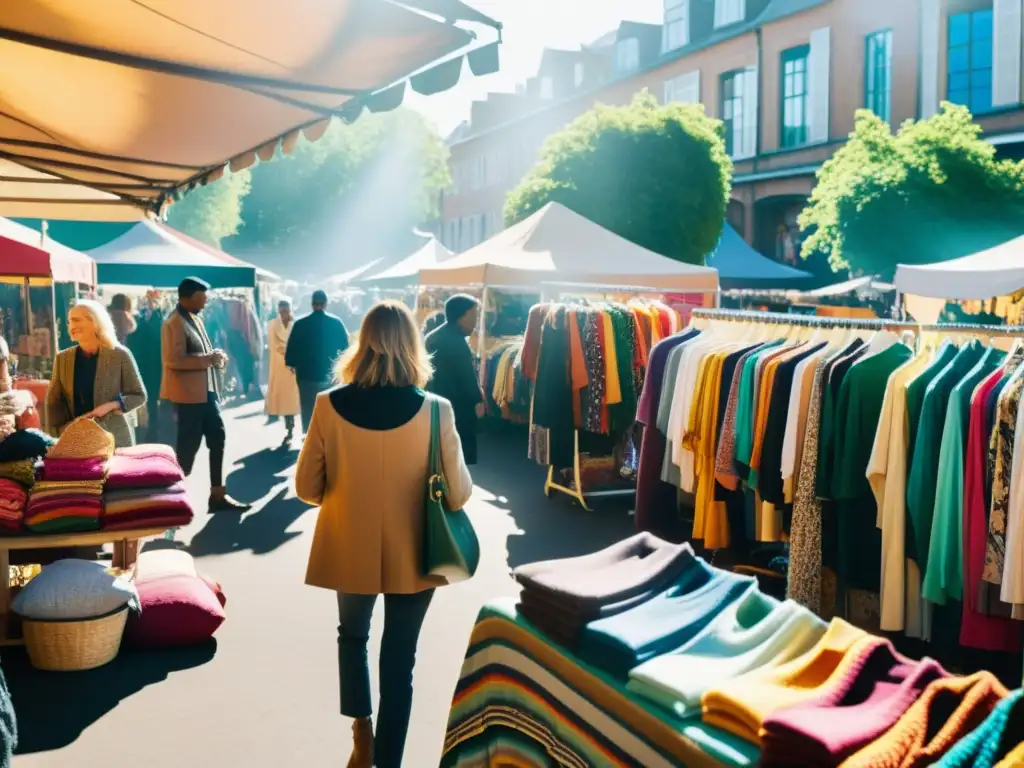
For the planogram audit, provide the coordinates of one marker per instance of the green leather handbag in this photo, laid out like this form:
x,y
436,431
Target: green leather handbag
x,y
451,549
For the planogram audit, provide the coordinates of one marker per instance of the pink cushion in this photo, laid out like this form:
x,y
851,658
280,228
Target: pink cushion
x,y
176,610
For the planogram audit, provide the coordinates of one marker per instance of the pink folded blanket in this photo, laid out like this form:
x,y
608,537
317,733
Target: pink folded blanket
x,y
178,520
63,470
141,466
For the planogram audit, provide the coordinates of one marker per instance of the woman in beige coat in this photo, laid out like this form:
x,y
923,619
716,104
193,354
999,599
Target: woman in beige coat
x,y
282,388
365,464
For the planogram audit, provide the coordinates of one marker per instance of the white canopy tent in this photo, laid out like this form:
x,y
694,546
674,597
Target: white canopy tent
x,y
405,273
998,271
558,246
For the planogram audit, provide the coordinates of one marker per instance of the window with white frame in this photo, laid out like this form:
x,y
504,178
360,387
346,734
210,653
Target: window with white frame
x,y
547,88
684,89
676,31
739,112
627,55
577,74
729,12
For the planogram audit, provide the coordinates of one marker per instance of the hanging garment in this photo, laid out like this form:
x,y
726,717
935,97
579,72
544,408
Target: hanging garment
x,y
1001,455
796,421
944,576
725,465
887,475
741,705
948,710
755,632
669,470
866,699
1012,592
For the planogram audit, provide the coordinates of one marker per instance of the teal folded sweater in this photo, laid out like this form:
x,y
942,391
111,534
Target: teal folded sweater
x,y
985,745
753,632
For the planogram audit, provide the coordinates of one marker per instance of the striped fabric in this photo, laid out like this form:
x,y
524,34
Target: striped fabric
x,y
521,701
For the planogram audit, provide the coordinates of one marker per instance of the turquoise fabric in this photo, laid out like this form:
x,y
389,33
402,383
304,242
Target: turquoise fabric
x,y
981,747
924,470
944,578
745,408
754,631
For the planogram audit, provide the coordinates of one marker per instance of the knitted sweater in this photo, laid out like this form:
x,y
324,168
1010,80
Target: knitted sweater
x,y
865,699
949,709
981,747
740,705
755,632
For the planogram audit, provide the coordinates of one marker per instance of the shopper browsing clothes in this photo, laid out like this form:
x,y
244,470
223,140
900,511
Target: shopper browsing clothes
x,y
365,463
192,382
282,388
315,343
96,378
455,377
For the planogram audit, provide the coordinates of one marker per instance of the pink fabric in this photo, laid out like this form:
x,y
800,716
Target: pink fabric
x,y
128,522
175,611
977,629
35,506
140,466
878,687
63,470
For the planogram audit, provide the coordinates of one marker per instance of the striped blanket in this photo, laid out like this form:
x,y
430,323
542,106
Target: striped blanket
x,y
523,701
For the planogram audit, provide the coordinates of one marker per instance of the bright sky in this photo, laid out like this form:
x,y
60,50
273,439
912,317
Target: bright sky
x,y
530,27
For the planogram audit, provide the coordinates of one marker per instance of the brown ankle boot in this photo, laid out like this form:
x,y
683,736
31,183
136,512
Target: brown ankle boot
x,y
362,748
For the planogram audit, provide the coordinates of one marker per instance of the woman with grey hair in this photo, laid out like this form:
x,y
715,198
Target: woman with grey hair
x,y
282,388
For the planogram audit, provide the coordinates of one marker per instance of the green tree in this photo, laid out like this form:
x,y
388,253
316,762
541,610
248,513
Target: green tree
x,y
382,172
931,192
656,175
212,212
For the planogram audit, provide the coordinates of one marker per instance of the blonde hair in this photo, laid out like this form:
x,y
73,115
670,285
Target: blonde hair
x,y
389,351
100,321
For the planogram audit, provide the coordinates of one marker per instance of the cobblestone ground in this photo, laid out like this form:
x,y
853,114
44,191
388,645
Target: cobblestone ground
x,y
267,694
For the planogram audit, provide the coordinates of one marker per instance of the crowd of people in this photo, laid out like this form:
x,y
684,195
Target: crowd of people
x,y
367,413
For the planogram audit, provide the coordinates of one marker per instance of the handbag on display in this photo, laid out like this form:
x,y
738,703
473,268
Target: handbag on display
x,y
451,549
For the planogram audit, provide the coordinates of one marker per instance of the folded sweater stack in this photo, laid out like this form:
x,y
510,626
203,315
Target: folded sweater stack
x,y
560,597
755,632
949,709
71,506
665,622
740,705
144,490
874,688
13,497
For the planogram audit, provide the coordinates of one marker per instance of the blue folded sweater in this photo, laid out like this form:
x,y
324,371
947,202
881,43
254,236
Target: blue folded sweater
x,y
664,623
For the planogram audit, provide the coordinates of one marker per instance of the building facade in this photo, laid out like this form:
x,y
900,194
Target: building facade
x,y
786,78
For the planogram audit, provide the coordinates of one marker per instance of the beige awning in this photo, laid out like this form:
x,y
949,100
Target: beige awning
x,y
110,107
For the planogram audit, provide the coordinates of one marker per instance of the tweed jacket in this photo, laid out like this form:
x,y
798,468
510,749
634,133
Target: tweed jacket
x,y
184,349
116,376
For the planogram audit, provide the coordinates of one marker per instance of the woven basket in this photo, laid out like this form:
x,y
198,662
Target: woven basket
x,y
83,439
72,645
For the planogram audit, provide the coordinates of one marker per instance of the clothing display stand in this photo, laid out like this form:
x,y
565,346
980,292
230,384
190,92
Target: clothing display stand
x,y
576,491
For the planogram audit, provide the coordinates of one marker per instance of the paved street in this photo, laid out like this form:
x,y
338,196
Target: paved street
x,y
266,695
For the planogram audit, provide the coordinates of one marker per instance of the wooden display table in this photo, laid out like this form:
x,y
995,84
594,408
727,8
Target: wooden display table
x,y
9,633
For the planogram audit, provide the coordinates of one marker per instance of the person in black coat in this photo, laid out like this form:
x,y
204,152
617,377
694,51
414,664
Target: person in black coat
x,y
316,342
455,377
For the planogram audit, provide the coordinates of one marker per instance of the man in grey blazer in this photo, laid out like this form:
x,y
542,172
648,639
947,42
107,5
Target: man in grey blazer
x,y
191,381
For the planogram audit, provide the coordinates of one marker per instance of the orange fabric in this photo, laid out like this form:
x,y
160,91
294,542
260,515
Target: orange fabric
x,y
577,367
947,711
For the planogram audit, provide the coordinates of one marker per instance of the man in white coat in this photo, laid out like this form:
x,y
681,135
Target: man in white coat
x,y
283,389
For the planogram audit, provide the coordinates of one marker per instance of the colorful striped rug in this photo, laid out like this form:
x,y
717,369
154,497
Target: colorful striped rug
x,y
524,702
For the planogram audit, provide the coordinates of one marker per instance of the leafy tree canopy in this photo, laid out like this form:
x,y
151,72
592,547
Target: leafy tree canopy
x,y
214,211
330,204
931,192
656,175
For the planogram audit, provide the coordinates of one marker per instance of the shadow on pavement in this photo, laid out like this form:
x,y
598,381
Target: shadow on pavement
x,y
259,473
260,532
55,708
551,527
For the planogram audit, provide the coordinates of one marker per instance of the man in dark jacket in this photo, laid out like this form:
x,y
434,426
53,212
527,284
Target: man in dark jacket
x,y
455,376
316,342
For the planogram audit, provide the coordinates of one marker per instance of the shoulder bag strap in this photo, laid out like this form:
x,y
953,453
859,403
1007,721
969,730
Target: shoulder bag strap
x,y
435,437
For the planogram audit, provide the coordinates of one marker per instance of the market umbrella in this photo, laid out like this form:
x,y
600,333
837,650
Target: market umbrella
x,y
110,108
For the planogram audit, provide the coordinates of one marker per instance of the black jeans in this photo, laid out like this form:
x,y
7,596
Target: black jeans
x,y
308,390
403,619
196,421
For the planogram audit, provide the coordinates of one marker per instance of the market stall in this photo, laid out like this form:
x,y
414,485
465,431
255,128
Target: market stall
x,y
404,275
39,281
556,253
741,267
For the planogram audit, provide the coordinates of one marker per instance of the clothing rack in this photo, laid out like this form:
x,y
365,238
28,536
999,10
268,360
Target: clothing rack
x,y
881,324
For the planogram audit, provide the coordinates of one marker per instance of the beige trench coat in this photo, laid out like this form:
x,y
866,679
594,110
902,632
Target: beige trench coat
x,y
282,390
370,486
